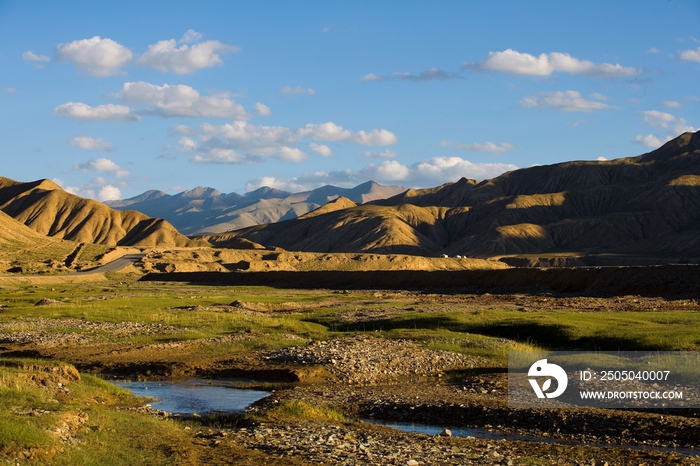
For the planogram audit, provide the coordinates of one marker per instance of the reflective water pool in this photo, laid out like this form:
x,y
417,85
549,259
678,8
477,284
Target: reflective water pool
x,y
194,396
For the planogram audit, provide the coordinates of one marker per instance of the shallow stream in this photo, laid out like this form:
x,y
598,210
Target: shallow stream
x,y
199,396
194,396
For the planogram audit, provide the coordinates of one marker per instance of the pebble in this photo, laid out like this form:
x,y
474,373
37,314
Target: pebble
x,y
41,331
366,360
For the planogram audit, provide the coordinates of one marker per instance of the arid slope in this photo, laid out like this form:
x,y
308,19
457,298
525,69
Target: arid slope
x,y
647,205
50,211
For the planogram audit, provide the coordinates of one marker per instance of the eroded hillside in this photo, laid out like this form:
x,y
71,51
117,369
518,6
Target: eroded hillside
x,y
647,205
50,211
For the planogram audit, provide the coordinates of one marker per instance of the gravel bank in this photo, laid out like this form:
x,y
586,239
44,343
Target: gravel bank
x,y
365,360
45,332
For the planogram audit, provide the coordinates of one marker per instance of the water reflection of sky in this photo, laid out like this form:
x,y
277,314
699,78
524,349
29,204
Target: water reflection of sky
x,y
193,396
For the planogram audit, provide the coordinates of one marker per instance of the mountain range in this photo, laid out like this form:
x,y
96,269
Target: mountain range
x,y
206,210
647,205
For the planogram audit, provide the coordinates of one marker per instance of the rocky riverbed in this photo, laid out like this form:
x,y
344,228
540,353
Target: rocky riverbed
x,y
367,377
47,332
365,360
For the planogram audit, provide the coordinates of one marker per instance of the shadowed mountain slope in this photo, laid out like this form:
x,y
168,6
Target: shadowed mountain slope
x,y
50,211
14,232
206,210
645,205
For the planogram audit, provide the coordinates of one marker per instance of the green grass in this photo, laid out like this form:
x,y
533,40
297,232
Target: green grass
x,y
115,436
32,408
302,410
668,330
491,333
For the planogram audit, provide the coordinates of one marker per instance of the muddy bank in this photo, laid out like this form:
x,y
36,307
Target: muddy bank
x,y
664,280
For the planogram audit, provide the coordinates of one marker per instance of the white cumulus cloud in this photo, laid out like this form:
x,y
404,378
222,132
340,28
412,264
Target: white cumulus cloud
x,y
391,170
96,56
107,112
191,36
657,118
651,140
252,142
376,137
329,131
166,56
98,188
487,146
513,62
262,109
90,143
292,154
567,101
691,55
322,149
109,193
219,155
187,144
440,169
671,104
99,165
32,57
673,125
245,136
178,100
429,172
78,191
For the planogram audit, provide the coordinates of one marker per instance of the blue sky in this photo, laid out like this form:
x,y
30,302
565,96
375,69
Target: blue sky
x,y
111,100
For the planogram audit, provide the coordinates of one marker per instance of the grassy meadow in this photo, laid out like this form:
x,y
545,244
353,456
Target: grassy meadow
x,y
85,420
278,317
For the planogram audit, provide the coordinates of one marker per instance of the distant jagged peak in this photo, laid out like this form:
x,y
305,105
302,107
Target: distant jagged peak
x,y
200,192
149,195
267,192
368,185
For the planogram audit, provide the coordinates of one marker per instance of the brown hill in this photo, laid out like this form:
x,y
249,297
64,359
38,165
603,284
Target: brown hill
x,y
336,204
13,232
50,211
645,206
24,250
